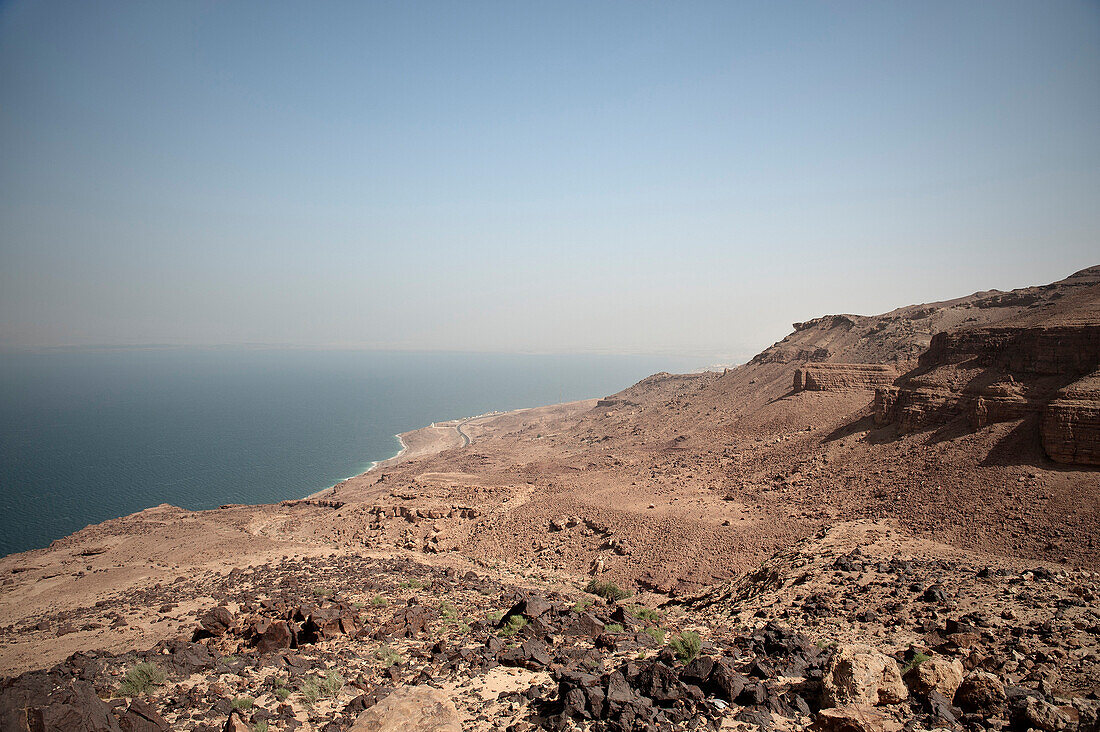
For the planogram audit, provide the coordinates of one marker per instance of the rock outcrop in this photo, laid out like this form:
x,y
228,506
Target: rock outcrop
x,y
410,709
843,376
858,675
1070,427
989,375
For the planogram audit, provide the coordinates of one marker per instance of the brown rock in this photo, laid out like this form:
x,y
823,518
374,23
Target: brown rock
x,y
850,718
1047,717
410,709
142,717
39,701
1070,426
275,636
236,723
858,675
217,621
937,673
843,376
980,691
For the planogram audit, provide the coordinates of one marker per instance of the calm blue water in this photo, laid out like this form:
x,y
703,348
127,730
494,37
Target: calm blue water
x,y
89,436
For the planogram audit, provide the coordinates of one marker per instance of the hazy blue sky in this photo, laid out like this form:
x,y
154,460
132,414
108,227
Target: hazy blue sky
x,y
622,176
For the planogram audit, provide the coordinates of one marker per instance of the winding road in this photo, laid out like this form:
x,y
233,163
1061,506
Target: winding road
x,y
465,437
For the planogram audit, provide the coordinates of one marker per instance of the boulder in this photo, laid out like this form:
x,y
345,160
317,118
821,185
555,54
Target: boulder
x,y
585,624
217,621
274,636
1038,714
980,692
40,701
142,717
937,673
858,675
236,723
531,607
410,709
531,654
850,718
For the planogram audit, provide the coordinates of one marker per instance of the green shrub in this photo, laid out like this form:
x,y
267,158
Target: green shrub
x,y
323,592
388,656
582,604
607,590
657,634
243,702
310,690
918,659
332,684
513,625
686,645
379,601
314,688
261,726
281,693
646,614
613,628
141,679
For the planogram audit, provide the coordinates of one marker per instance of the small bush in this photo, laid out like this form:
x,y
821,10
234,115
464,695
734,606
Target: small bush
x,y
332,684
314,688
657,634
513,625
141,679
613,628
646,614
243,702
379,601
310,690
323,592
281,693
261,726
411,584
686,645
582,604
388,656
918,659
607,590
494,617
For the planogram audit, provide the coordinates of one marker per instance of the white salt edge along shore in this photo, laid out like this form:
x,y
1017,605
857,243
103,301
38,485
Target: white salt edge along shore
x,y
437,443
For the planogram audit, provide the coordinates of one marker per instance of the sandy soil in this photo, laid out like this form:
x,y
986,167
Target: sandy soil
x,y
674,485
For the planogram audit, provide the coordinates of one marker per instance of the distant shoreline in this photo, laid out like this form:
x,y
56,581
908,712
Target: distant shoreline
x,y
429,440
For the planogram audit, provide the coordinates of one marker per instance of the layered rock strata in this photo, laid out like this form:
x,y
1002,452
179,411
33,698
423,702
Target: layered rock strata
x,y
843,376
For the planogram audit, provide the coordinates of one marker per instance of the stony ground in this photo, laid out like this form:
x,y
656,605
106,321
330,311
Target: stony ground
x,y
862,627
792,563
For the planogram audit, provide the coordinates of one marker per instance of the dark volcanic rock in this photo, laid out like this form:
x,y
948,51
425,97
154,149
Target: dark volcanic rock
x,y
274,636
216,622
39,701
142,717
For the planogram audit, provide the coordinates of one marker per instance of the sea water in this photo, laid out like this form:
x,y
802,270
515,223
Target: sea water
x,y
92,435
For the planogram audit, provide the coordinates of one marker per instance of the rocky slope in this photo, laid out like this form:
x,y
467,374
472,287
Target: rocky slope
x,y
880,521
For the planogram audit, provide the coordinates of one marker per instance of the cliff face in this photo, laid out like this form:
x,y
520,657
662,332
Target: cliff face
x,y
1053,351
843,376
1004,373
1070,427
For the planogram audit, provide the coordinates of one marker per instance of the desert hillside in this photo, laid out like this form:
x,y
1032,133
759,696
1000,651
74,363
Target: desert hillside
x,y
855,523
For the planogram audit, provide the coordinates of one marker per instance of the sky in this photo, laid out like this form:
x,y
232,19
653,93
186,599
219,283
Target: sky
x,y
627,177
